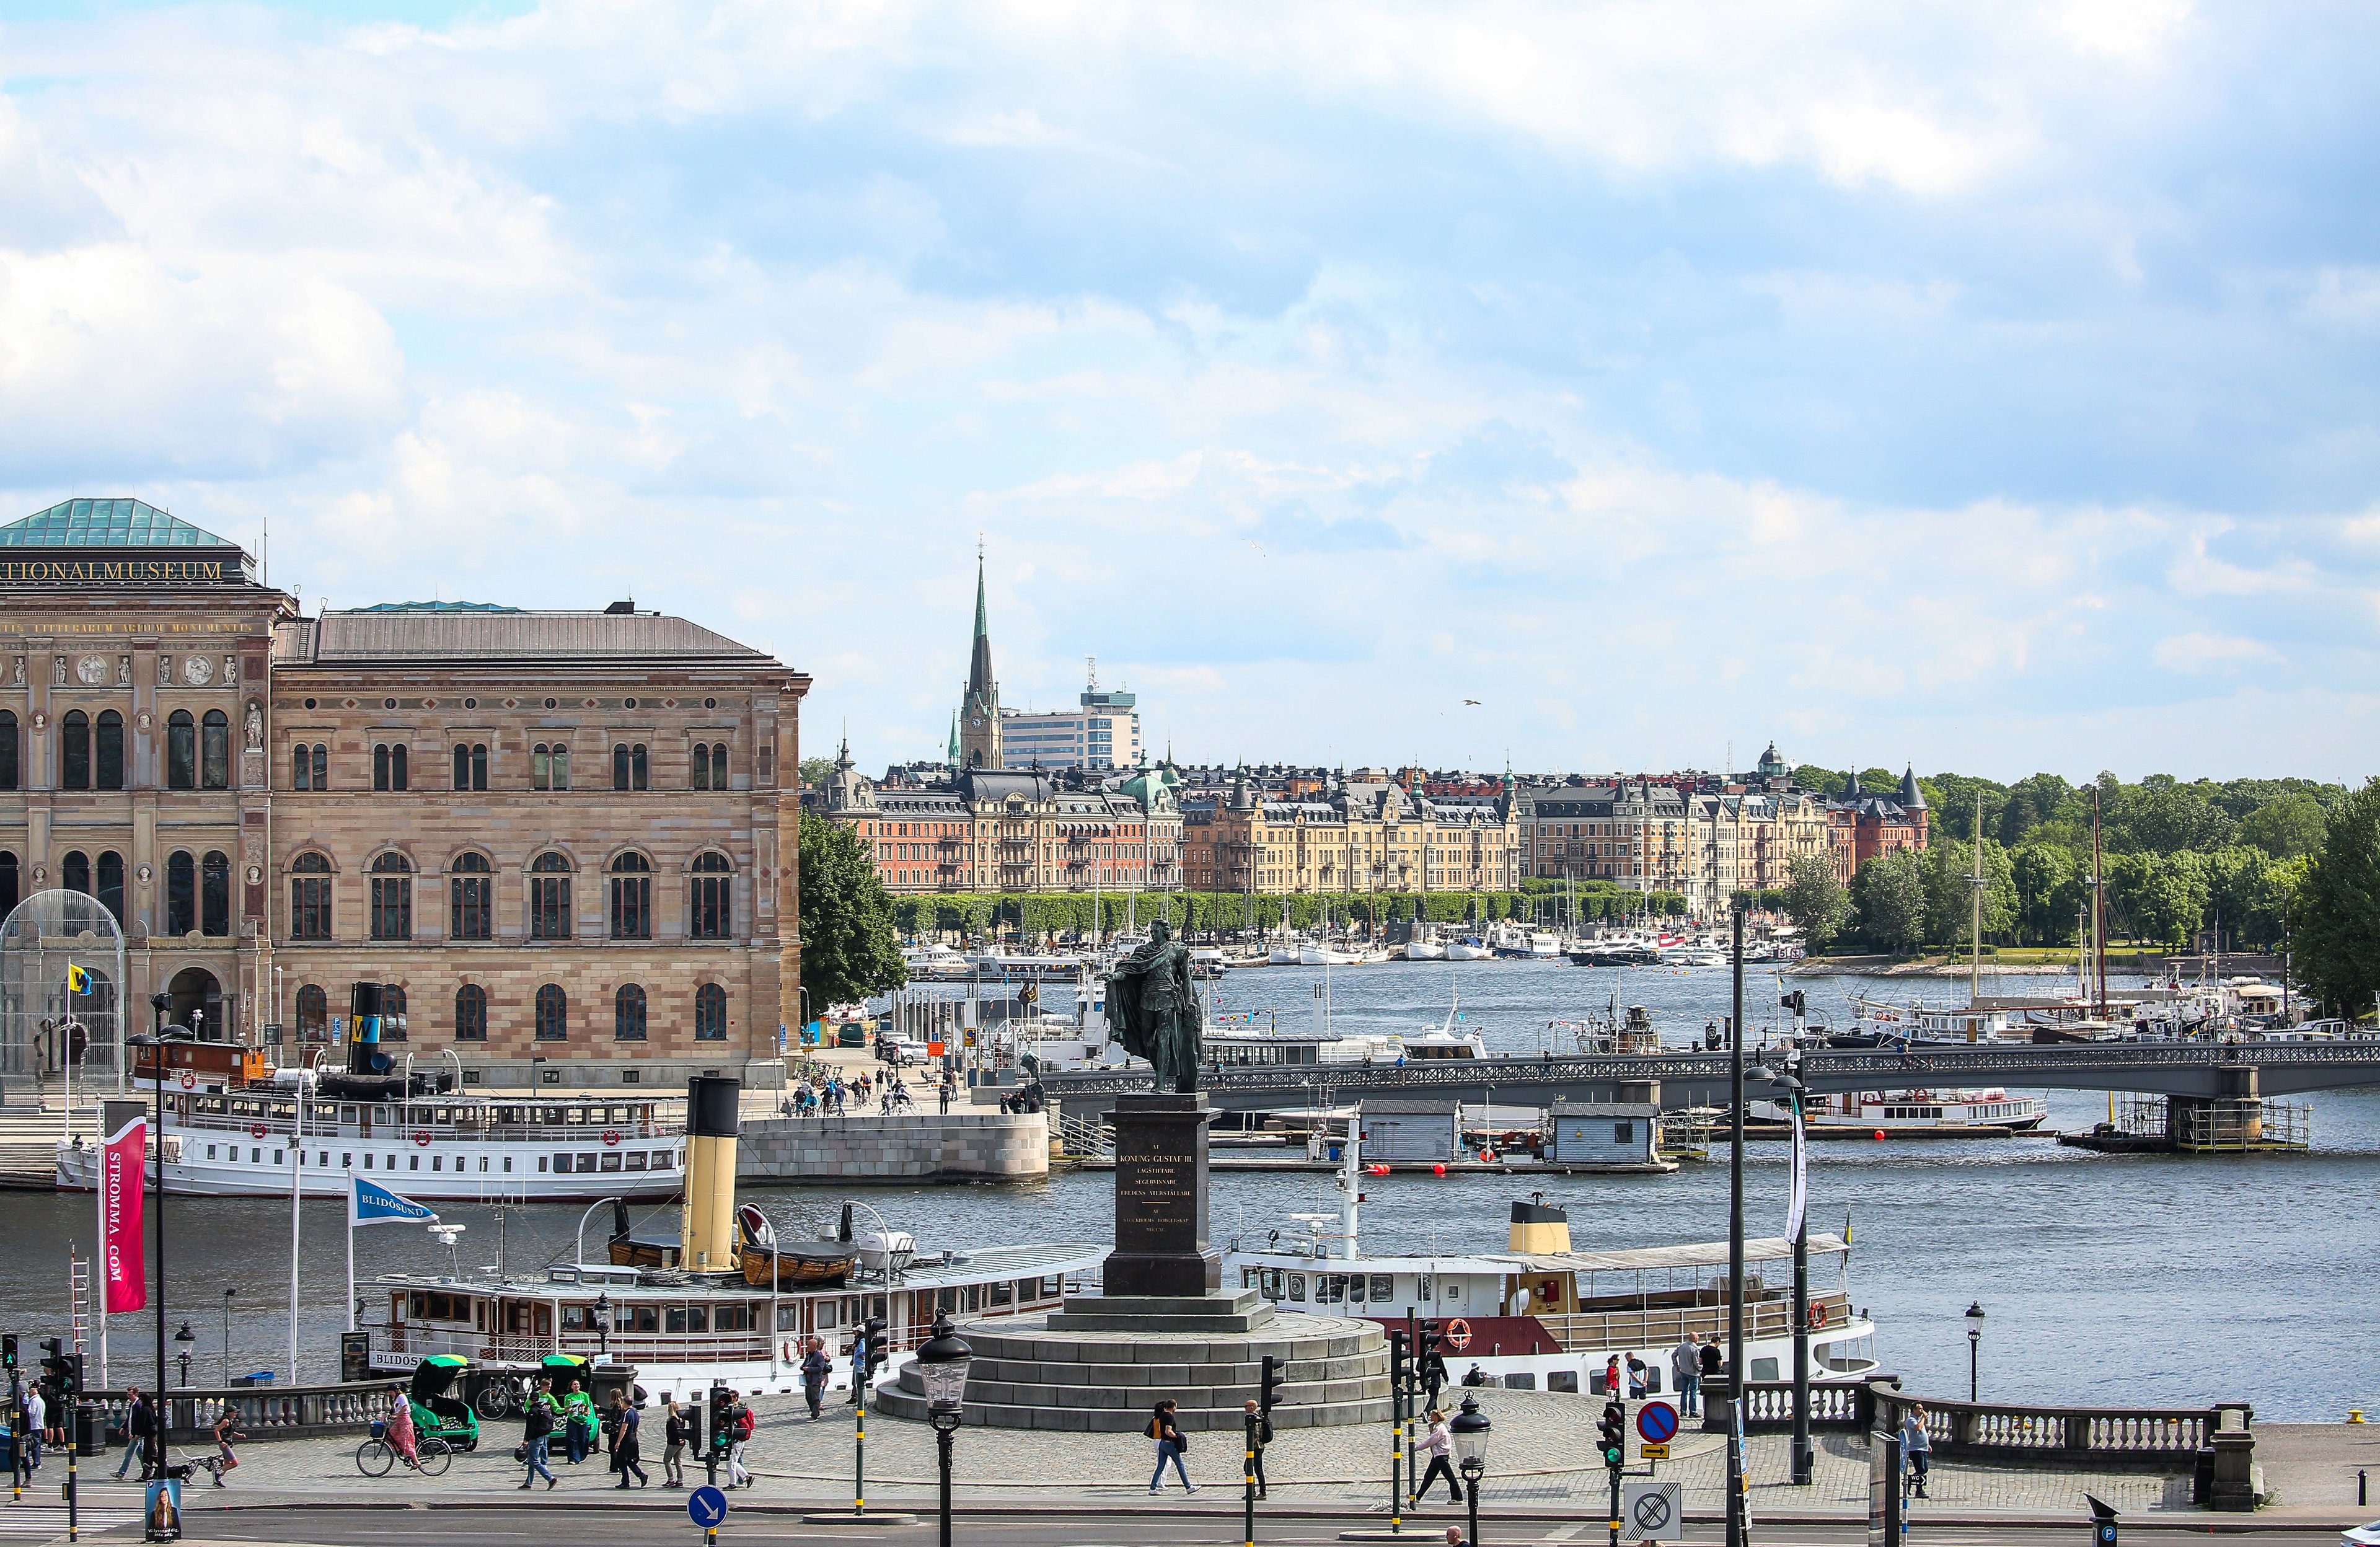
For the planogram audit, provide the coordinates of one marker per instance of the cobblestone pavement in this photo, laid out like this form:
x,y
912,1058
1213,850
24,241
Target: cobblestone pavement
x,y
1540,1461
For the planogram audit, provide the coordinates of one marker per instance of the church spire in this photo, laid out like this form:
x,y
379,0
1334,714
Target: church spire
x,y
979,712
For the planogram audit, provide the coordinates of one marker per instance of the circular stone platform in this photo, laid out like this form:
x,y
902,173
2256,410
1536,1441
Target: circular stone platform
x,y
1027,1374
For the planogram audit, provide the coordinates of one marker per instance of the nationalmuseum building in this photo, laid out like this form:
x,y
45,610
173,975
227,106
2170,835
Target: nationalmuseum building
x,y
562,836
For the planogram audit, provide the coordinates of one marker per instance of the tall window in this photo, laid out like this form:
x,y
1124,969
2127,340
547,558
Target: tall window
x,y
215,893
470,1014
108,754
548,899
388,765
181,893
310,767
392,899
7,749
711,897
181,750
74,751
310,898
214,762
10,883
472,897
313,1009
392,1024
710,1014
472,765
629,1014
710,765
74,872
549,765
552,1013
632,898
628,766
110,885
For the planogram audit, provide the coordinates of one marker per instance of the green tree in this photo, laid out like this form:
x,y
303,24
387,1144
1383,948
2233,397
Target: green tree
x,y
2334,920
1949,885
2286,826
1816,901
849,949
2048,891
1889,898
2162,816
815,771
2162,897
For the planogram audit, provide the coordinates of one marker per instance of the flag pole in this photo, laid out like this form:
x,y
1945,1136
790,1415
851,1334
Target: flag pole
x,y
297,1189
351,1254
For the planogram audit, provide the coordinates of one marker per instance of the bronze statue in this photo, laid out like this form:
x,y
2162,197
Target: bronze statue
x,y
1155,1010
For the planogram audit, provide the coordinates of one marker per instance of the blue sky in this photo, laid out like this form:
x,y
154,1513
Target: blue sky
x,y
1987,387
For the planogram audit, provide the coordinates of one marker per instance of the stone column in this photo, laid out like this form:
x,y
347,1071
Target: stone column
x,y
1162,1248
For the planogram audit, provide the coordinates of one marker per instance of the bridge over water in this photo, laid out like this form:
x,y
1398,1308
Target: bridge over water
x,y
2189,1071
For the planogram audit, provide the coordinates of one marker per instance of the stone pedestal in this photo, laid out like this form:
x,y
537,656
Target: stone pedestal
x,y
1162,1250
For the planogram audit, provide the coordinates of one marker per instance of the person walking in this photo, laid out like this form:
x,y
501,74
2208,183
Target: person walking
x,y
672,1444
1264,1438
741,1426
626,1421
1439,1445
1170,1446
1916,1447
136,1421
37,1421
816,1368
1454,1537
1686,1372
227,1431
538,1421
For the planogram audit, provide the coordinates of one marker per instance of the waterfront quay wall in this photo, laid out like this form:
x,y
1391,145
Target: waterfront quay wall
x,y
927,1147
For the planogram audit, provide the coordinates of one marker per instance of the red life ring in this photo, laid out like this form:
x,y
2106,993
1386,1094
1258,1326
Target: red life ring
x,y
1458,1334
611,1135
1817,1313
257,1131
189,1080
422,1140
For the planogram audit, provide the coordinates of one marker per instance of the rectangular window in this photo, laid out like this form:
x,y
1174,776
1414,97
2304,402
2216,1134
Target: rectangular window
x,y
309,907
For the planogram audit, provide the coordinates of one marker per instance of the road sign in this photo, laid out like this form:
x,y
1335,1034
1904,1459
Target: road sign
x,y
1652,1512
1657,1423
1651,1451
705,1507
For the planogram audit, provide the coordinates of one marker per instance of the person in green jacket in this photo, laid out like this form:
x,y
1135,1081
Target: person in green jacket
x,y
579,1419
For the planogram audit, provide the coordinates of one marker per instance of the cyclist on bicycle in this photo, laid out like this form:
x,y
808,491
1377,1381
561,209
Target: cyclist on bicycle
x,y
400,1428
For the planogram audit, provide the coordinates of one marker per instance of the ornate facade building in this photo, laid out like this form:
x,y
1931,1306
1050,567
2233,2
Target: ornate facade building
x,y
1352,837
562,836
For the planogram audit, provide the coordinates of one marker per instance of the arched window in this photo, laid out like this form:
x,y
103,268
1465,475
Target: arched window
x,y
108,754
181,750
10,883
388,765
549,897
711,897
313,1012
214,766
470,1014
74,751
702,765
74,872
302,767
322,765
632,898
181,893
215,893
391,898
310,898
110,885
7,749
710,1014
471,765
629,1014
552,1013
471,896
629,767
549,765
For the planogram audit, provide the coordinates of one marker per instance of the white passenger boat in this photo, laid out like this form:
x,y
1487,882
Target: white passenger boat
x,y
1328,955
1540,1315
1862,1110
1471,947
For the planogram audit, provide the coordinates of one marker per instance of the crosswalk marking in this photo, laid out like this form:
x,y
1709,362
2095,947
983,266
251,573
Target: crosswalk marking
x,y
27,1522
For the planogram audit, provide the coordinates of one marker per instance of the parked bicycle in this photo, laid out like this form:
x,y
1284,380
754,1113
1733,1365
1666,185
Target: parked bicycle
x,y
376,1455
500,1398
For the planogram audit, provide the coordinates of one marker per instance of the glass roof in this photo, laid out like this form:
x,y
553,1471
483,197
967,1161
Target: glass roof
x,y
434,607
105,524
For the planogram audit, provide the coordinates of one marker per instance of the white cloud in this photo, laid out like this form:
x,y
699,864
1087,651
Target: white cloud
x,y
2201,653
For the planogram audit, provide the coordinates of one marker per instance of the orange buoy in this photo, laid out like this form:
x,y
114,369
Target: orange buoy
x,y
1879,1133
1440,1169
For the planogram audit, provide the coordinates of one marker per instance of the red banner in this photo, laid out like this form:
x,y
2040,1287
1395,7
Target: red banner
x,y
123,1166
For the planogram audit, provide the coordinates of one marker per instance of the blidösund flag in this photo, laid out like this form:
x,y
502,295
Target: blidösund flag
x,y
371,1203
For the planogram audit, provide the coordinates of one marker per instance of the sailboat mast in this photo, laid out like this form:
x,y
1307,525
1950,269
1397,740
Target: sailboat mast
x,y
1975,949
2098,908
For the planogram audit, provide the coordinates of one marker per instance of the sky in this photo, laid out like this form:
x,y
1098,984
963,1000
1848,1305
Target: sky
x,y
1990,388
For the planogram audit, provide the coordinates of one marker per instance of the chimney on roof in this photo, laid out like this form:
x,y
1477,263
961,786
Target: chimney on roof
x,y
620,609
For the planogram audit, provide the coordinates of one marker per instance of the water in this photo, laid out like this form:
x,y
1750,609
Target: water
x,y
2107,1279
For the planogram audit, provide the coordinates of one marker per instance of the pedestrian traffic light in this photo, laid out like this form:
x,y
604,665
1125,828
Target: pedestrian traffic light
x,y
1431,1336
1400,1366
1610,1436
60,1367
722,1420
1798,1001
873,1350
7,1350
1269,1384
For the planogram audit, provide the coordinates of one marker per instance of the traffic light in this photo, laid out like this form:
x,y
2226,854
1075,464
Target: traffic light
x,y
60,1367
1399,1365
722,1420
1610,1436
1798,1001
7,1350
1269,1384
873,1350
1431,1336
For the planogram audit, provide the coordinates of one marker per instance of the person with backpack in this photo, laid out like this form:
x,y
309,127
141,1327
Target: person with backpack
x,y
672,1444
816,1368
744,1427
538,1419
1264,1438
1170,1446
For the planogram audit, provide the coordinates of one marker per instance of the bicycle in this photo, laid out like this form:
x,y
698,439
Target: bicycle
x,y
376,1455
500,1398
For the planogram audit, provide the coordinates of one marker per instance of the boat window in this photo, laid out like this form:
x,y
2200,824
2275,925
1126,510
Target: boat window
x,y
1764,1370
561,1163
211,1152
1268,1282
1384,1289
731,1318
575,1318
789,1318
971,1299
688,1319
1356,1287
636,1318
1003,1293
1297,1288
1330,1288
367,1160
586,1162
611,1160
636,1160
826,1314
1052,1287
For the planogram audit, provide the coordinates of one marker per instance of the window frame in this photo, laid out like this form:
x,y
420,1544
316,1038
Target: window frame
x,y
311,916
628,912
215,751
470,1014
389,909
552,1013
549,897
74,751
471,897
710,1013
628,1011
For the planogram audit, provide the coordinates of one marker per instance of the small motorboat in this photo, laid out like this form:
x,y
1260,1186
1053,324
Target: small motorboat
x,y
765,1261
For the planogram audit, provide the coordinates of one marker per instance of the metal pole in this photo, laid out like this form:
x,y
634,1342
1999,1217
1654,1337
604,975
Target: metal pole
x,y
944,1435
1735,1531
1974,1354
1471,1498
156,1440
1805,1461
297,1210
1396,1422
1248,1504
859,1432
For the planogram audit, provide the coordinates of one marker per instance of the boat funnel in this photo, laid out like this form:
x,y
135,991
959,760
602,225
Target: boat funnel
x,y
707,1224
1539,1226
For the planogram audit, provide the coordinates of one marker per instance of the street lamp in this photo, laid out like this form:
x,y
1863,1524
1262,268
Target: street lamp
x,y
1974,1344
1736,1531
1789,1084
1470,1431
603,1327
228,1293
185,1336
942,1366
155,1043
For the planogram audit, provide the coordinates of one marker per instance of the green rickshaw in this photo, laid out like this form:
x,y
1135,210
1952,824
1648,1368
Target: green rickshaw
x,y
436,1408
579,1407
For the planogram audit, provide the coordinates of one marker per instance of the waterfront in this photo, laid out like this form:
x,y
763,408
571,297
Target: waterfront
x,y
2107,1279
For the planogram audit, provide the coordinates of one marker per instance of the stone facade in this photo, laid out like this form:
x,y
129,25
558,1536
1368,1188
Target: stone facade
x,y
1352,838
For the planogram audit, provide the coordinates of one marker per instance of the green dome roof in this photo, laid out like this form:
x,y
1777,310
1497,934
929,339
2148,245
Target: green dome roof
x,y
118,523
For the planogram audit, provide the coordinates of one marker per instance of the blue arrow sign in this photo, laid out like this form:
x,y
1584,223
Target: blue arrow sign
x,y
1657,1422
707,1506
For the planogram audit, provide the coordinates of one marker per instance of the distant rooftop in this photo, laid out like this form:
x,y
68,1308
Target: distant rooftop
x,y
479,631
117,523
436,607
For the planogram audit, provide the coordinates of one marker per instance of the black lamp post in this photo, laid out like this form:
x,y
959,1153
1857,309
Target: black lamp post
x,y
1470,1431
185,1336
1805,1457
155,1043
228,1292
942,1366
603,1327
1974,1346
1735,1522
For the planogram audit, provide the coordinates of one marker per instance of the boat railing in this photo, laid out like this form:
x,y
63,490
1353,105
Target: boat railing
x,y
1666,1326
519,1133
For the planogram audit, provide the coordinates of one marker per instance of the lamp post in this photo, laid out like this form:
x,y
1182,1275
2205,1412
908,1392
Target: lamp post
x,y
228,1292
155,1040
1470,1431
942,1366
1975,1344
185,1336
1735,1523
603,1327
1805,1457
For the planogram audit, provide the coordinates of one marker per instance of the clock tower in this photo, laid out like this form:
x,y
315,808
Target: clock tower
x,y
979,710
